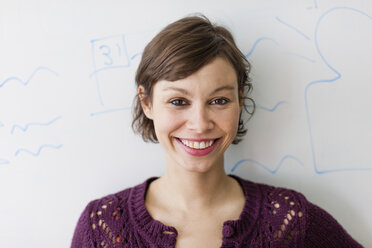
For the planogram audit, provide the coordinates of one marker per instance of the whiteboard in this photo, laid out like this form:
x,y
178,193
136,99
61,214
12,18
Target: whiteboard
x,y
67,86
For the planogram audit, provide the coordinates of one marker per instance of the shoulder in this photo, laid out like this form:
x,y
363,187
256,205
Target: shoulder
x,y
290,218
103,221
275,199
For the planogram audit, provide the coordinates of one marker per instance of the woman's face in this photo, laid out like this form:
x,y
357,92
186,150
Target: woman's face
x,y
196,118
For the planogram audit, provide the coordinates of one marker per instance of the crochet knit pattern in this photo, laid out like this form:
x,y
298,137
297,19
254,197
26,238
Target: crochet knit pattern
x,y
272,217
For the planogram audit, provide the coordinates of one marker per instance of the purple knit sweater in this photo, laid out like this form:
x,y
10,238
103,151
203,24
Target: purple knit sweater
x,y
272,217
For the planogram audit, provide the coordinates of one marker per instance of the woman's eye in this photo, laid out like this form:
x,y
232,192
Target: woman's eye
x,y
220,101
178,102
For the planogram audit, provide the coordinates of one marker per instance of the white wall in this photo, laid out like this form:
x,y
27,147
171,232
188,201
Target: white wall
x,y
66,88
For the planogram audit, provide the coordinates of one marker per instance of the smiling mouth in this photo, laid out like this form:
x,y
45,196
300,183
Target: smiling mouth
x,y
199,145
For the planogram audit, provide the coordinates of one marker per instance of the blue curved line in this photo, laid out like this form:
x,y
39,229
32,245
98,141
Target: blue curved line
x,y
25,83
273,108
135,55
265,167
301,57
24,129
324,81
1,124
258,41
293,28
35,154
4,161
109,111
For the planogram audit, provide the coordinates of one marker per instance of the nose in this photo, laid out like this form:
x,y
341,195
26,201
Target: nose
x,y
199,119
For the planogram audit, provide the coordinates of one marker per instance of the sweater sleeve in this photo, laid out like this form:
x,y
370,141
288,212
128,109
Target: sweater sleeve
x,y
324,231
82,236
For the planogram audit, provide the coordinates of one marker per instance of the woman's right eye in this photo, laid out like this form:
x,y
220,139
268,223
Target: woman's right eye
x,y
178,102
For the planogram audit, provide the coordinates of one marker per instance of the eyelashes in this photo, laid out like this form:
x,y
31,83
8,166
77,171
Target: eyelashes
x,y
179,102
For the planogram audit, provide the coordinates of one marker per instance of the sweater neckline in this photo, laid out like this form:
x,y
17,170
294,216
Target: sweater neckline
x,y
156,232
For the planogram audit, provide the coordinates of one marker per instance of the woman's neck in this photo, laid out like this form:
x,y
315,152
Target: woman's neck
x,y
188,191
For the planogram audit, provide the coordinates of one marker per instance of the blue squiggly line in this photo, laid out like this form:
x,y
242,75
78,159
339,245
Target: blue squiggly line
x,y
35,154
135,55
293,28
301,57
109,111
25,83
273,108
24,129
256,43
265,167
325,81
4,161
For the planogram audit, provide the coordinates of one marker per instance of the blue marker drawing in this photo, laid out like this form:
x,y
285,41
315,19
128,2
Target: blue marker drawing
x,y
315,4
301,57
109,111
257,42
265,167
4,161
24,129
36,154
136,55
271,109
25,83
326,81
293,28
1,124
108,53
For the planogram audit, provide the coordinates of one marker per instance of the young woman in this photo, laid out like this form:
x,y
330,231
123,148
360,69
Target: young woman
x,y
192,85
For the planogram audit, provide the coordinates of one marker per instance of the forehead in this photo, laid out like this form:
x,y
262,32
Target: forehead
x,y
216,74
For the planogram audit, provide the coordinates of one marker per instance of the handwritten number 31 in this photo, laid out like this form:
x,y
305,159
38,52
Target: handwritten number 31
x,y
106,51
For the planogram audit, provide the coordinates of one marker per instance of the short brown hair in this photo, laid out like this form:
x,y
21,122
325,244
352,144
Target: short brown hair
x,y
179,50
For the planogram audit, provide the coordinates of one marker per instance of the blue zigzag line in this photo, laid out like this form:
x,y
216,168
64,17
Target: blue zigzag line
x,y
293,28
25,83
256,43
325,81
24,129
274,171
4,161
38,152
273,108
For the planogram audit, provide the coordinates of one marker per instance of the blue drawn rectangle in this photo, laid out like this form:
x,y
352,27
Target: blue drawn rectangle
x,y
109,52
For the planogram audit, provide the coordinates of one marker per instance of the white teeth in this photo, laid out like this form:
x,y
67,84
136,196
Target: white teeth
x,y
196,144
202,145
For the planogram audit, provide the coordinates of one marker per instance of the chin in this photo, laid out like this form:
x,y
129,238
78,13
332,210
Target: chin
x,y
199,166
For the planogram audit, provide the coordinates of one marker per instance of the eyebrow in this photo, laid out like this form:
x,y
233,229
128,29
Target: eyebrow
x,y
185,92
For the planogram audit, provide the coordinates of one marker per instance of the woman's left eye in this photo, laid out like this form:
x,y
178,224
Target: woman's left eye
x,y
220,101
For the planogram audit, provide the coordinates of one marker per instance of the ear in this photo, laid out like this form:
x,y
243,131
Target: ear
x,y
145,102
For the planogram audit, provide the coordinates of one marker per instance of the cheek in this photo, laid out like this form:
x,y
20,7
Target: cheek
x,y
230,121
165,124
